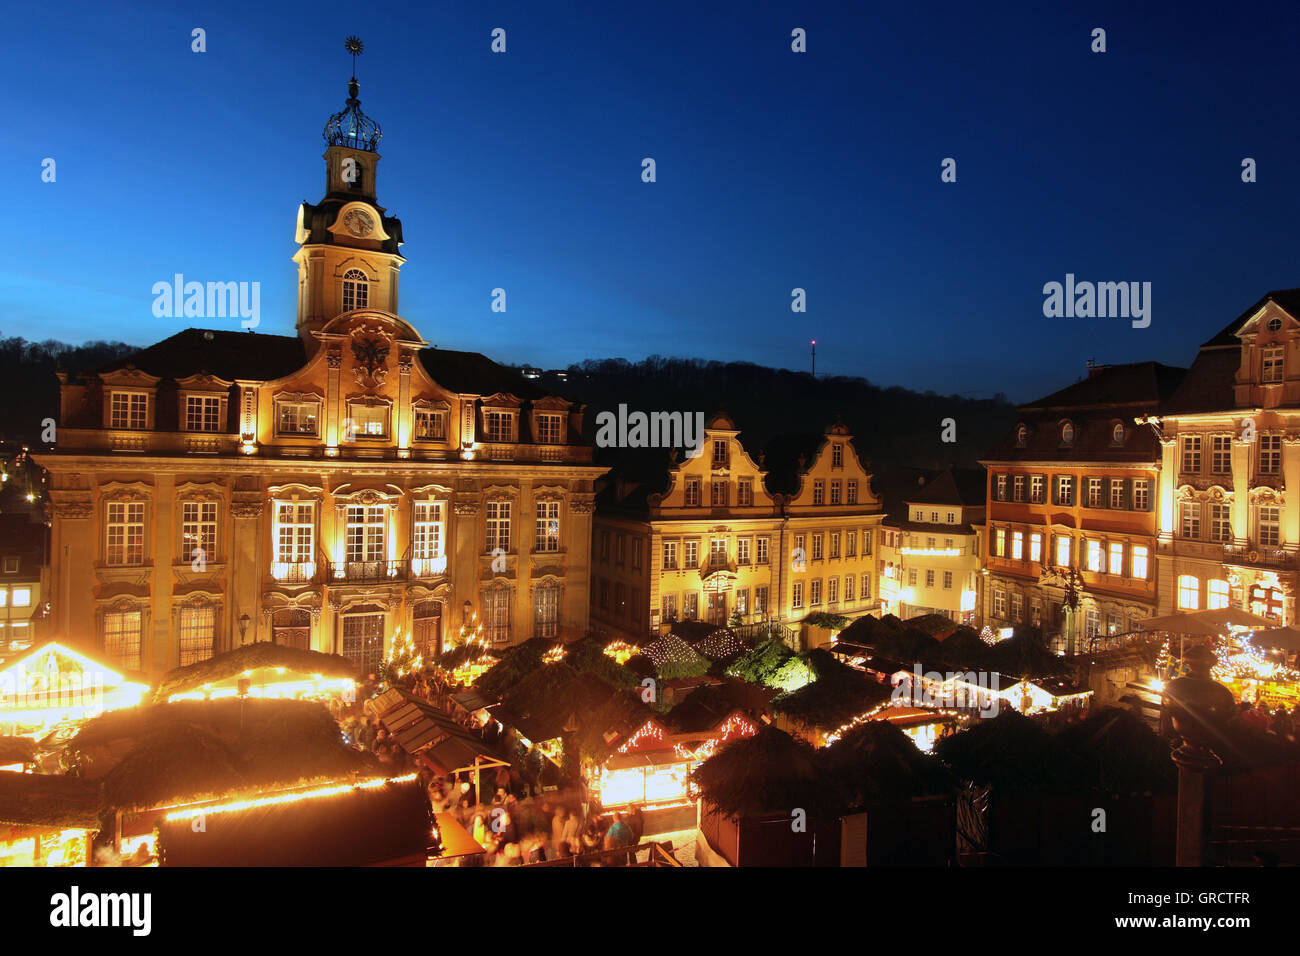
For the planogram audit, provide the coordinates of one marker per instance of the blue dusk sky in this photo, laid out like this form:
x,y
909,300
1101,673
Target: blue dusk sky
x,y
775,170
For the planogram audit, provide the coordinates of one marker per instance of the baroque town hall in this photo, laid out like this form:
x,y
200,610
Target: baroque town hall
x,y
320,490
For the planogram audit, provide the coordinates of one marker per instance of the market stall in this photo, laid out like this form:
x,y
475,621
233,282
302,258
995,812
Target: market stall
x,y
47,820
52,685
263,669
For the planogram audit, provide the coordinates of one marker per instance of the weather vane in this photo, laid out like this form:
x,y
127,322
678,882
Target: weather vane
x,y
354,46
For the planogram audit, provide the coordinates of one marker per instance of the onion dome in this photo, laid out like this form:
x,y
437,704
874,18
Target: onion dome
x,y
352,128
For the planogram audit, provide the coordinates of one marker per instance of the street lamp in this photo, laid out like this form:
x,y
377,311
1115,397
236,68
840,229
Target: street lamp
x,y
244,620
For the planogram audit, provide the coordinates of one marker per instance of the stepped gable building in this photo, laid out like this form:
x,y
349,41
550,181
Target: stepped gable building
x,y
713,537
1073,500
320,490
1229,528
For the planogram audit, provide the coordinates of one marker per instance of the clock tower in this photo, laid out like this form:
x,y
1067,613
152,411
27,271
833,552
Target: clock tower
x,y
348,256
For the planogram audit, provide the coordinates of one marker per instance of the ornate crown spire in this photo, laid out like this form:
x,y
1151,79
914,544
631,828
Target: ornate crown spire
x,y
350,127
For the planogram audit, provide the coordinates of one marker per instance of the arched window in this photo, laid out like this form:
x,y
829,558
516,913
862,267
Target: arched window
x,y
356,290
1022,435
1117,434
1067,434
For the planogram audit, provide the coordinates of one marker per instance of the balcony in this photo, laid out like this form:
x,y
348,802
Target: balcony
x,y
1256,556
429,567
365,572
293,572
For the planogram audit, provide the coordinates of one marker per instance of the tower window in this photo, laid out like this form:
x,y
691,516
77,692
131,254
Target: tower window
x,y
356,290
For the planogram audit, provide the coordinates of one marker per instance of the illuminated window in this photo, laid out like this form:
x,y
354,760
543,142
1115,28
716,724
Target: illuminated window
x,y
1001,487
426,544
1189,592
1036,489
22,597
717,552
547,537
670,555
125,529
356,290
1000,604
1116,493
1018,488
1064,490
743,551
1035,547
1018,545
670,607
1000,542
1190,526
1216,594
1116,558
1094,556
1139,569
1094,492
1063,551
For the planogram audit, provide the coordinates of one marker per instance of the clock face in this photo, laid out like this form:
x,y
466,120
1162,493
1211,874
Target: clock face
x,y
358,223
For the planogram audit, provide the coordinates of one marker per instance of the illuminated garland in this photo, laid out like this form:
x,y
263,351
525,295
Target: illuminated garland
x,y
281,798
649,730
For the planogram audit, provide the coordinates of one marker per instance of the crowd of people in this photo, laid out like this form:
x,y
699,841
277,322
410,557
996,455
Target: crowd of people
x,y
518,827
1277,720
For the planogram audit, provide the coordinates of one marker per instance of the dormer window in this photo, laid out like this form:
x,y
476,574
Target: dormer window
x,y
1273,365
367,418
431,424
204,413
499,426
356,290
1022,435
128,410
1117,434
1274,324
1067,434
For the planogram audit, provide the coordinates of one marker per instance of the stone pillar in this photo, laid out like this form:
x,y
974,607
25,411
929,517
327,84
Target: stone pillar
x,y
405,418
1168,482
248,562
1290,536
1240,512
332,399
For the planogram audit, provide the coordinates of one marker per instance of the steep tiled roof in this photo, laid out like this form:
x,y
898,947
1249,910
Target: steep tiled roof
x,y
961,486
1116,393
1209,382
226,354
